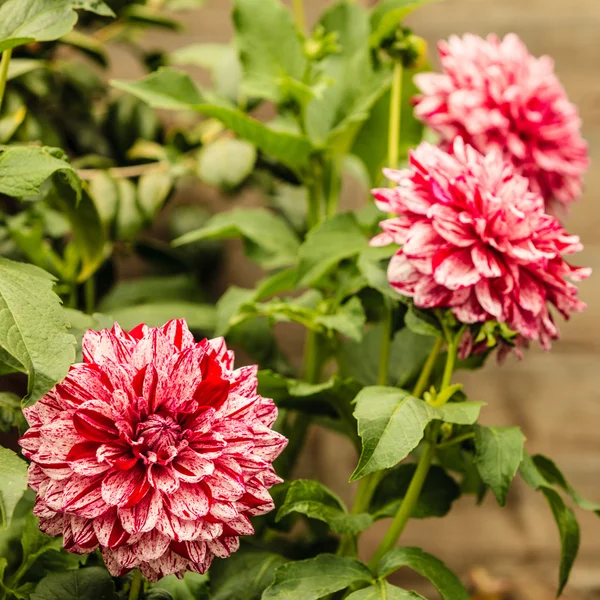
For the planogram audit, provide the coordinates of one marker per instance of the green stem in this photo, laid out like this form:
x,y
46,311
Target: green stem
x,y
423,380
6,56
314,204
136,585
72,298
386,344
299,15
90,295
449,368
457,440
395,118
406,508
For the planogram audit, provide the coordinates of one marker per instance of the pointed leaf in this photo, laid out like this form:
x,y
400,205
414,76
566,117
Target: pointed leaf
x,y
499,451
391,424
33,327
13,473
316,577
383,590
446,582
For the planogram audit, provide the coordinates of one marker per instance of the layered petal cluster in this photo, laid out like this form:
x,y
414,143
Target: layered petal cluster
x,y
495,95
154,449
475,239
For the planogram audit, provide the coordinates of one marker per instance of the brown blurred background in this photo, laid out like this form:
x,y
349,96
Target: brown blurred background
x,y
554,397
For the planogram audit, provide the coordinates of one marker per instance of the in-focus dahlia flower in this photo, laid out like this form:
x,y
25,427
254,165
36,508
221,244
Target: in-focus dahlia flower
x,y
476,240
153,449
495,95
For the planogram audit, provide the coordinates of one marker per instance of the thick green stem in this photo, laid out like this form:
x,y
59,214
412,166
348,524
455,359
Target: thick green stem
x,y
386,344
136,585
406,508
423,380
395,118
6,56
299,15
90,295
449,368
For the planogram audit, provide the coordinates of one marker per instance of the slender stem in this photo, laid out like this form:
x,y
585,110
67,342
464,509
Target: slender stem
x,y
386,343
457,440
314,204
395,117
72,298
311,357
90,295
299,15
6,56
406,508
449,368
136,585
423,380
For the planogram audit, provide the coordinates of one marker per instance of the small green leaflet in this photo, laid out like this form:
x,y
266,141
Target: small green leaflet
x,y
13,473
499,451
226,163
383,590
446,582
391,424
33,330
314,500
24,21
316,577
277,249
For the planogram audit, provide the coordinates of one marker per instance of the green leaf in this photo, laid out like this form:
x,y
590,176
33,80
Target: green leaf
x,y
192,587
314,500
35,542
327,245
199,317
391,424
226,163
349,320
435,500
383,590
269,46
421,322
93,583
153,191
388,14
129,216
244,575
316,577
445,581
23,169
149,16
568,529
268,239
166,88
33,328
41,20
372,263
104,192
499,451
11,415
13,473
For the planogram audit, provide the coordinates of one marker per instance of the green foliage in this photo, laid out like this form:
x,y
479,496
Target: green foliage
x,y
93,583
391,423
383,590
13,472
33,331
191,587
446,582
11,416
226,163
499,451
317,502
314,578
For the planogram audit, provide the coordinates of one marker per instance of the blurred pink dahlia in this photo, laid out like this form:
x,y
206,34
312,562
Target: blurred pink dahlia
x,y
497,96
475,239
153,449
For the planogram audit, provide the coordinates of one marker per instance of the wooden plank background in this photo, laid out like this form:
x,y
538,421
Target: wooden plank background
x,y
554,397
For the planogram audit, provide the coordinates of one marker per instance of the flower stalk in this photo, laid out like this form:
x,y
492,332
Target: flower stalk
x,y
137,581
4,64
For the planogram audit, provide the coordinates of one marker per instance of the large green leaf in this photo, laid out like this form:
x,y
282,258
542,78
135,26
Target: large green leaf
x,y
268,239
244,575
391,424
499,451
269,46
23,169
24,21
388,14
93,583
314,500
327,245
446,582
383,590
435,499
316,577
13,473
174,90
33,328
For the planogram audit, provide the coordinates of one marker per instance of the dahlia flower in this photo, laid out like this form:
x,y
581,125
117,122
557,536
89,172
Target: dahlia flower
x,y
495,95
476,240
153,449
